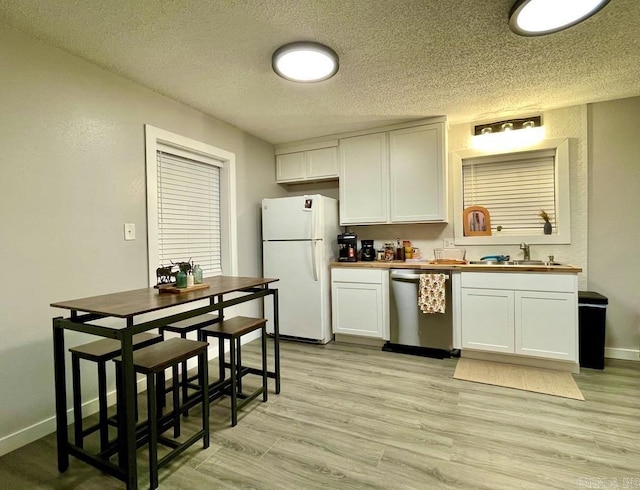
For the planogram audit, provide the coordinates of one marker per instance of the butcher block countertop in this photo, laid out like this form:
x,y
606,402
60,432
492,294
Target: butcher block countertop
x,y
398,264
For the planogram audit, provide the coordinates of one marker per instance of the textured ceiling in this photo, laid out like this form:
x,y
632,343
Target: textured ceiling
x,y
399,60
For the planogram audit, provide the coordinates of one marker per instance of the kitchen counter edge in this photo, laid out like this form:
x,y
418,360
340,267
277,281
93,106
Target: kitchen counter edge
x,y
397,264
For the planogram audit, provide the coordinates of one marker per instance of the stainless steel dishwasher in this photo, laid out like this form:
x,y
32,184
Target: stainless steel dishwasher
x,y
412,331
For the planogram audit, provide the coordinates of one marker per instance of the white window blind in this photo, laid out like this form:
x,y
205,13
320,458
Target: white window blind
x,y
189,211
514,190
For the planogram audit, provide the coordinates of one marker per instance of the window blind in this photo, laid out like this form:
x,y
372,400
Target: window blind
x,y
189,212
514,190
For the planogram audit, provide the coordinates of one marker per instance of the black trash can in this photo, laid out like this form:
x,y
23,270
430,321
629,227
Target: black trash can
x,y
592,313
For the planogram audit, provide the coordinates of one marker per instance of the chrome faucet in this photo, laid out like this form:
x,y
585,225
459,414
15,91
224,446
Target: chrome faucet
x,y
524,247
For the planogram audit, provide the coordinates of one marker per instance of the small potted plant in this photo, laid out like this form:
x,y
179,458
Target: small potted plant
x,y
547,222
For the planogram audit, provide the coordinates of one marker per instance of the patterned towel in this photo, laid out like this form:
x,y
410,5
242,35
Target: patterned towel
x,y
431,297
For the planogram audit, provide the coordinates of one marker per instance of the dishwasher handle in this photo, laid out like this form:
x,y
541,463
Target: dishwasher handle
x,y
413,275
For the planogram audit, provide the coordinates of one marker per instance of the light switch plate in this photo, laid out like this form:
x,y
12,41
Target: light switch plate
x,y
129,231
449,243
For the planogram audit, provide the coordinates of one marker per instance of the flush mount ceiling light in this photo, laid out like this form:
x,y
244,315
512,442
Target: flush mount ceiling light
x,y
540,17
305,61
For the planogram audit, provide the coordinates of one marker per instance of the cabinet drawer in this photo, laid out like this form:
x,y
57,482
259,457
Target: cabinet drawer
x,y
523,281
367,276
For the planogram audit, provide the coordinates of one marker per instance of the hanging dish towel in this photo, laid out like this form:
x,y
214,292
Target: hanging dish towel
x,y
431,296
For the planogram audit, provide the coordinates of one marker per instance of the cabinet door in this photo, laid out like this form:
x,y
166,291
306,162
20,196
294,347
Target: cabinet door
x,y
417,174
290,167
546,324
364,179
357,309
487,320
322,163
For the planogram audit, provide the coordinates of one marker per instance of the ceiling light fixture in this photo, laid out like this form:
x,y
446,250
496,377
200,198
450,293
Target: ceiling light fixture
x,y
540,17
305,61
508,135
510,125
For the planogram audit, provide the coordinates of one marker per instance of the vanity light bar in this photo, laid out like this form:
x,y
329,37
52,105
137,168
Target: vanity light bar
x,y
508,125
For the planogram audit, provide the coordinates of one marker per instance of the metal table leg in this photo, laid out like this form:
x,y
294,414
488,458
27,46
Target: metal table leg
x,y
128,425
276,337
61,395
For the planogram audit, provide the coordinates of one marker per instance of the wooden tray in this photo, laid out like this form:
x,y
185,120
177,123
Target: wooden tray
x,y
171,288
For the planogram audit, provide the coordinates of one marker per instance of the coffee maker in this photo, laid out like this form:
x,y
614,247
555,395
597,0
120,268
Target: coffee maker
x,y
347,247
367,252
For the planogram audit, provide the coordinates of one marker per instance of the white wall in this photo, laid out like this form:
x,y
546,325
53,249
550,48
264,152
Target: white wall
x,y
614,219
72,172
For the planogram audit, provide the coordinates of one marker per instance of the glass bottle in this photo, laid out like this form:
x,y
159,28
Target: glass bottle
x,y
181,279
197,274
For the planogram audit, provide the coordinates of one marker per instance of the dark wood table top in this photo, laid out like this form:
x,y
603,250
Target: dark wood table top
x,y
138,301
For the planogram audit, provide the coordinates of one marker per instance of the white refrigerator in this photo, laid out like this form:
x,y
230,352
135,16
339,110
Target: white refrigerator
x,y
299,240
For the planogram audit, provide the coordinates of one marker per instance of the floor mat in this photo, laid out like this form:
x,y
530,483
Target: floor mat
x,y
550,382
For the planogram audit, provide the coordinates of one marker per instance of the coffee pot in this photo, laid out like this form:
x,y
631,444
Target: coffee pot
x,y
367,252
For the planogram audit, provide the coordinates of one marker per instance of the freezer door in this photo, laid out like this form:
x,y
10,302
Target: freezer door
x,y
291,218
300,296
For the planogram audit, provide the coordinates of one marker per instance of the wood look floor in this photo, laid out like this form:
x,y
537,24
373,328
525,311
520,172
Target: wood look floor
x,y
353,417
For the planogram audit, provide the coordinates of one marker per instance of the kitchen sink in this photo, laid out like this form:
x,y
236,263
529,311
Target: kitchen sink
x,y
514,262
532,262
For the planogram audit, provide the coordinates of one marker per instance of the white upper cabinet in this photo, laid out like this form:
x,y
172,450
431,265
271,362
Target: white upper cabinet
x,y
417,178
307,166
322,163
364,179
290,167
395,176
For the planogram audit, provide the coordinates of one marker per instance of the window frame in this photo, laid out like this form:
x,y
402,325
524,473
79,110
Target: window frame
x,y
155,138
562,233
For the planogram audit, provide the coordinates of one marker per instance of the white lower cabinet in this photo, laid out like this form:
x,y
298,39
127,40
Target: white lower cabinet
x,y
360,302
487,319
522,313
546,324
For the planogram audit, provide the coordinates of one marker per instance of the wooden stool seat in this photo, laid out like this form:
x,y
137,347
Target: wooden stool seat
x,y
163,355
152,361
183,327
99,351
233,329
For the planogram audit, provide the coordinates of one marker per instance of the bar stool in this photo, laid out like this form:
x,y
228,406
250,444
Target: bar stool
x,y
183,327
152,361
233,330
99,352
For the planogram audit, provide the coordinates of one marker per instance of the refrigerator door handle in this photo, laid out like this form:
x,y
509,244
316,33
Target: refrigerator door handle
x,y
314,221
314,261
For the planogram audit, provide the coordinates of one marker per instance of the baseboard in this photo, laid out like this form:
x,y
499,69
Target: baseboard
x,y
572,367
626,354
45,427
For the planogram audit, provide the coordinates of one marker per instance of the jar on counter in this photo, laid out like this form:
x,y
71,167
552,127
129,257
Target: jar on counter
x,y
389,251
